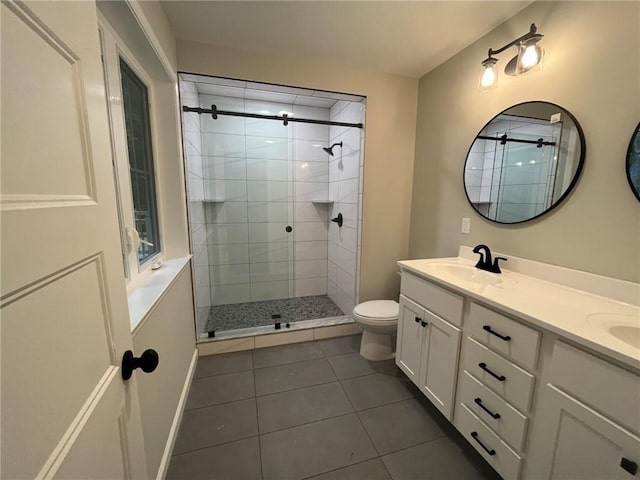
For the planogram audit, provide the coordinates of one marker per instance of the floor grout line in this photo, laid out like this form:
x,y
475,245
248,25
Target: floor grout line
x,y
214,445
340,468
219,404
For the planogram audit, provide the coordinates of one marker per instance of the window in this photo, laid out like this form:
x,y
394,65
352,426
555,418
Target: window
x,y
136,115
129,91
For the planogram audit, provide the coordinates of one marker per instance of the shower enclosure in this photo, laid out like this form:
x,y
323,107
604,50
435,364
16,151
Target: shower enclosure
x,y
263,190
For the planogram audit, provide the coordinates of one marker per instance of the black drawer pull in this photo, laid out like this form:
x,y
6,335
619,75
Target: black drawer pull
x,y
418,319
629,466
479,403
500,378
475,437
506,338
423,323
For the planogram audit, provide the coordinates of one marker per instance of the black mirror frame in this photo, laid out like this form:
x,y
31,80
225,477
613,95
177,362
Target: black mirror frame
x,y
574,181
635,133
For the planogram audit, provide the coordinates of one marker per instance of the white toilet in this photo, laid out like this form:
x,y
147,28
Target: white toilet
x,y
379,320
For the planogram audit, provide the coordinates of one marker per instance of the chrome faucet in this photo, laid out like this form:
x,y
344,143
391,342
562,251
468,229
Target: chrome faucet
x,y
485,262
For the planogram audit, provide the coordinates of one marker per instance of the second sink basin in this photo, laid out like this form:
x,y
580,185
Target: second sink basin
x,y
624,327
626,333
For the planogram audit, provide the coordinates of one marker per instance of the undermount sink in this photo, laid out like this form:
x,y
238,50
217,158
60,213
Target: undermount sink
x,y
466,273
627,334
624,327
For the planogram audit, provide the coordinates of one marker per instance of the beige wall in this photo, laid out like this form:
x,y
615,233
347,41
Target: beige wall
x,y
389,147
169,331
591,68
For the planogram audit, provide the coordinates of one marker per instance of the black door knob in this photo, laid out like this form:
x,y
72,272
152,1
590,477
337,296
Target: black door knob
x,y
288,228
338,220
148,362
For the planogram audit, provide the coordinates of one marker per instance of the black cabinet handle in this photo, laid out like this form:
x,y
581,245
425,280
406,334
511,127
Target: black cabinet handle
x,y
506,338
478,401
629,466
148,362
474,435
418,319
423,323
500,378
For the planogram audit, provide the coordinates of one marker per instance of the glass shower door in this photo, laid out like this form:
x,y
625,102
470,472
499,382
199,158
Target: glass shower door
x,y
525,184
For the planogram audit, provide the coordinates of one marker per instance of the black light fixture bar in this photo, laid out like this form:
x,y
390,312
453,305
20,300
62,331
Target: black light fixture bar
x,y
504,139
285,119
532,33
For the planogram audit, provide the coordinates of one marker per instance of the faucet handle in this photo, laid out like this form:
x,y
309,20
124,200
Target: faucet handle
x,y
496,266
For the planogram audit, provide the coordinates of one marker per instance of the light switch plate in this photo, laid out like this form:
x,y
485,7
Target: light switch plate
x,y
466,225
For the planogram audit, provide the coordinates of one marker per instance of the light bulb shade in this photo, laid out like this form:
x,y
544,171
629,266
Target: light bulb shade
x,y
488,75
530,55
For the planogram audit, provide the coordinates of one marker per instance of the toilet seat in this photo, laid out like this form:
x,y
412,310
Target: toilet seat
x,y
378,311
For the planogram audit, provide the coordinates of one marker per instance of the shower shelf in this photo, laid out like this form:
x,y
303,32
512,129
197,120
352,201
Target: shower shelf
x,y
320,201
213,200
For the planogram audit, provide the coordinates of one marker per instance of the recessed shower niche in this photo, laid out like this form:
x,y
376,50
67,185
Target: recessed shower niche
x,y
268,167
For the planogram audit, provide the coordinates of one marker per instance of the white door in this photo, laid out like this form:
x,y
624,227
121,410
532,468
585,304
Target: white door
x,y
410,338
582,444
66,412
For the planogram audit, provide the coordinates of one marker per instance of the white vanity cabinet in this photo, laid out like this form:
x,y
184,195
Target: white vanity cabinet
x,y
591,415
536,389
427,344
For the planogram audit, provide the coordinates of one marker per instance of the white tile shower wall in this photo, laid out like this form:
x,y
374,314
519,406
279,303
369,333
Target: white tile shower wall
x,y
522,188
192,139
345,189
268,176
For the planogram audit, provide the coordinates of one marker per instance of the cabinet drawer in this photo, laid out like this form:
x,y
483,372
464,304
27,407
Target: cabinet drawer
x,y
495,451
513,383
440,301
510,425
611,390
504,335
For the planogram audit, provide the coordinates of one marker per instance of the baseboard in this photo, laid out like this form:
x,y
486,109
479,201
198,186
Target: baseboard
x,y
177,418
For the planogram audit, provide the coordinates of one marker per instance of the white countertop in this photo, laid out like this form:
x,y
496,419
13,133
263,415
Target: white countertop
x,y
577,315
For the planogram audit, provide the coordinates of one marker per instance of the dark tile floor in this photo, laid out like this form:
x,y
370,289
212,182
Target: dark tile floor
x,y
314,410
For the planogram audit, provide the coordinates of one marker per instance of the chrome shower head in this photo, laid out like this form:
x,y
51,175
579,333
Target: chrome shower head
x,y
329,150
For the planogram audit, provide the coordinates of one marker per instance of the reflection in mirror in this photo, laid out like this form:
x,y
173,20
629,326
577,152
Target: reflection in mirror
x,y
633,162
524,162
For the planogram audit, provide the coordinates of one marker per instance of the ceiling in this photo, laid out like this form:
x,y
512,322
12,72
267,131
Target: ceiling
x,y
226,87
403,38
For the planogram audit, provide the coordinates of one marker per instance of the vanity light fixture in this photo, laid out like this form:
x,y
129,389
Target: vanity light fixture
x,y
530,54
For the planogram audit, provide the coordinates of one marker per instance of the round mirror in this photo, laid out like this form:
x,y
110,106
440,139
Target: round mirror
x,y
524,162
633,162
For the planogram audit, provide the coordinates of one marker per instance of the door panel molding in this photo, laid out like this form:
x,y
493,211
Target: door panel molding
x,y
74,93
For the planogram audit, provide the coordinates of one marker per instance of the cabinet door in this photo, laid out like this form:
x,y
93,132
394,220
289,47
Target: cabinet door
x,y
410,337
580,443
439,364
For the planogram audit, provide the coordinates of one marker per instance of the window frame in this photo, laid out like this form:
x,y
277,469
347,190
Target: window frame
x,y
114,50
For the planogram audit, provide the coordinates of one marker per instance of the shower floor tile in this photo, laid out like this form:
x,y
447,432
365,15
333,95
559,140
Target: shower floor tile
x,y
255,314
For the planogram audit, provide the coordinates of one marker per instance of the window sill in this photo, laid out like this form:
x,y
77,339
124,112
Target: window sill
x,y
147,293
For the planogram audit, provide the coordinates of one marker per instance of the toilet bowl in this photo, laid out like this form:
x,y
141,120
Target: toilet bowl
x,y
379,320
